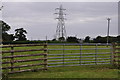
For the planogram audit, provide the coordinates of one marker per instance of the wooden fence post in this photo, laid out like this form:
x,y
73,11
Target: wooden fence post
x,y
45,56
113,53
12,58
118,55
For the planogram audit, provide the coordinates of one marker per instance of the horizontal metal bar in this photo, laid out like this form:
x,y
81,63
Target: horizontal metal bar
x,y
94,61
64,65
81,49
53,60
62,49
94,44
76,54
102,63
103,58
96,56
63,57
63,62
77,65
77,59
96,53
78,62
63,54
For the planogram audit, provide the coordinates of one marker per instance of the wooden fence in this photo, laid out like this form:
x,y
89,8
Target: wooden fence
x,y
33,61
116,54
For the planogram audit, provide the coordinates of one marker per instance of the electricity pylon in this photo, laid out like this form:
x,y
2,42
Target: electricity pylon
x,y
61,31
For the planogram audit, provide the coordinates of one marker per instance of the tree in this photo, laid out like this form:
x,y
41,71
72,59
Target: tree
x,y
100,39
7,37
4,27
20,34
61,39
87,39
118,38
53,39
72,39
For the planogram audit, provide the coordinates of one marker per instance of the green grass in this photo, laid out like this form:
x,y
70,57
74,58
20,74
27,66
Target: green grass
x,y
95,71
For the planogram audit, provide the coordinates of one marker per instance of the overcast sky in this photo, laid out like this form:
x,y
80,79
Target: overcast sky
x,y
83,18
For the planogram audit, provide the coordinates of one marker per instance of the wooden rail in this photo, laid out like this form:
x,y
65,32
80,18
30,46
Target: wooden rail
x,y
116,54
14,62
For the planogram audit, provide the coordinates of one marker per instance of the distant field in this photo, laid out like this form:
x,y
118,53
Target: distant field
x,y
95,71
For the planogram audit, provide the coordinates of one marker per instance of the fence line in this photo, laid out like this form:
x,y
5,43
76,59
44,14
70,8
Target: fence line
x,y
11,60
57,55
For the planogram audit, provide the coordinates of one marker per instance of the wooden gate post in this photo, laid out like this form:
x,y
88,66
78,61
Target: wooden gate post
x,y
113,53
45,56
12,58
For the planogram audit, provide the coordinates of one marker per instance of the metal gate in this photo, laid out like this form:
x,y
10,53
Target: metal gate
x,y
75,54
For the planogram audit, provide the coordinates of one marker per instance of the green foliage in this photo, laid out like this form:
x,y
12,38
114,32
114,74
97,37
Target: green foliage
x,y
100,39
87,39
72,39
118,38
7,37
61,39
4,27
20,34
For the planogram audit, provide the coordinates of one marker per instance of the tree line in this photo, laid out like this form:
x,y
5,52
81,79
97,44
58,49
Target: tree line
x,y
20,35
98,39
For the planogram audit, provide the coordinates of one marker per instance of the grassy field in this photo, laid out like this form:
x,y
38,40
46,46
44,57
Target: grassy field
x,y
96,71
93,71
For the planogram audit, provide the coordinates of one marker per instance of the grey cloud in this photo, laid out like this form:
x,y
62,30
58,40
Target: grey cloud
x,y
84,18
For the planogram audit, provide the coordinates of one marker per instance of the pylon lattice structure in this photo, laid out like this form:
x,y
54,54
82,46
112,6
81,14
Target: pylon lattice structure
x,y
60,31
